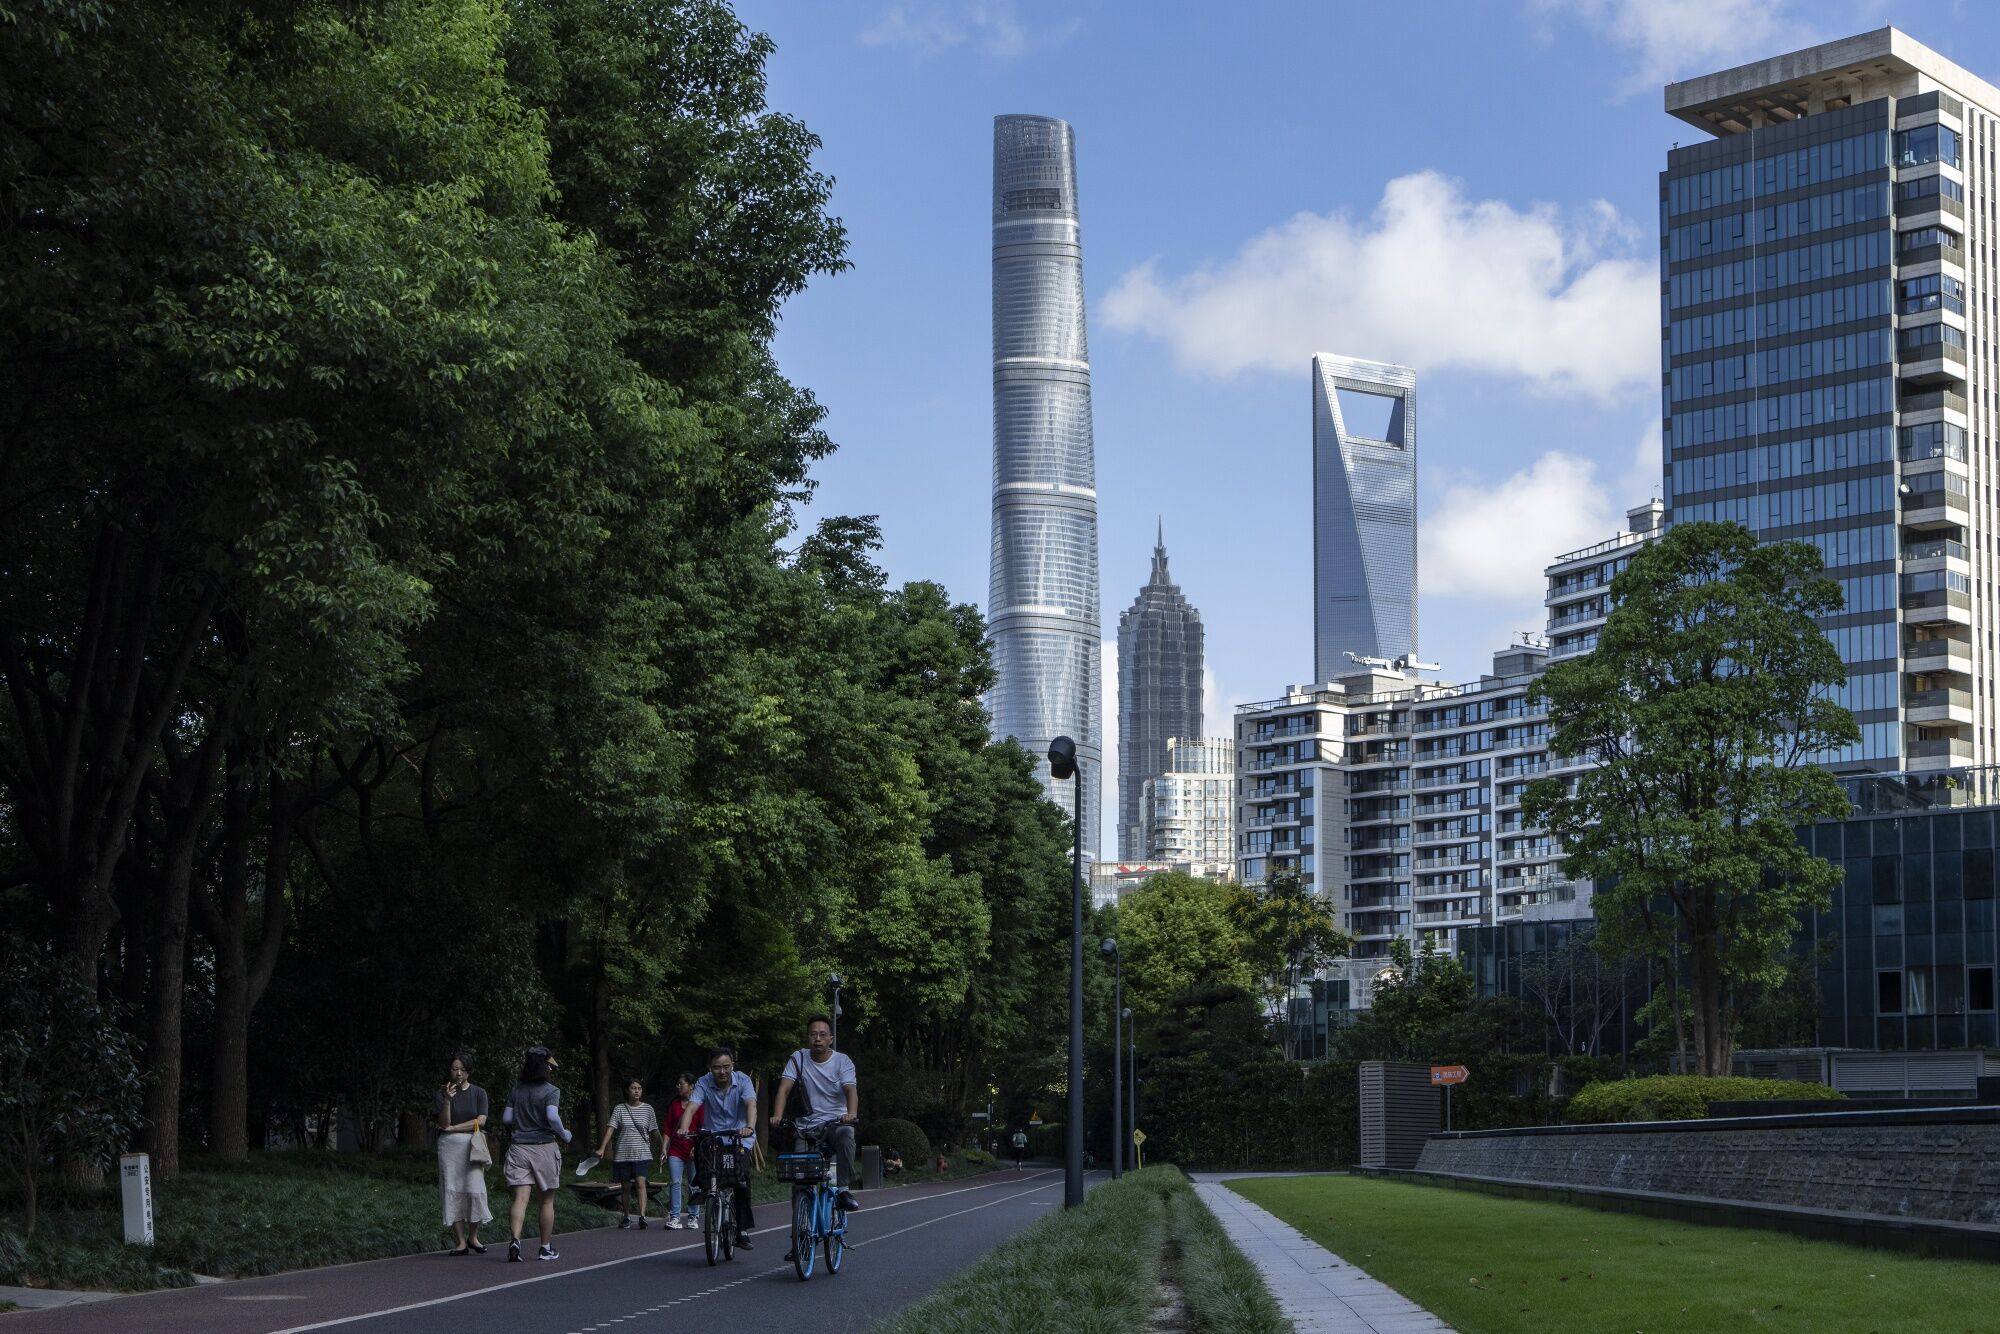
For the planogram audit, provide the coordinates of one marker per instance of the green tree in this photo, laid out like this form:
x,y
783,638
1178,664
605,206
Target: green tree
x,y
1292,934
1701,712
1179,932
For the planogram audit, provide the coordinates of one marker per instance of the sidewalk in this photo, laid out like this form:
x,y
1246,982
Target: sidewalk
x,y
1319,1292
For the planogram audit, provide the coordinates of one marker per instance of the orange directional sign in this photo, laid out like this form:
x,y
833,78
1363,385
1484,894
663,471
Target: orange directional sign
x,y
1449,1074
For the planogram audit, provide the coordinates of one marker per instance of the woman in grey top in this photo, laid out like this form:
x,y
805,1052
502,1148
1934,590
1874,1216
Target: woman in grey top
x,y
460,1108
534,1110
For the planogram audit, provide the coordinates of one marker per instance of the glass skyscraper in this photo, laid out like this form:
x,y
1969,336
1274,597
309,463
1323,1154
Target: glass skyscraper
x,y
1827,358
1364,513
1042,610
1159,692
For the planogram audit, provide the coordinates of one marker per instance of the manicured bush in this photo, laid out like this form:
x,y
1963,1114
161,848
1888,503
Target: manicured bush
x,y
1680,1097
905,1137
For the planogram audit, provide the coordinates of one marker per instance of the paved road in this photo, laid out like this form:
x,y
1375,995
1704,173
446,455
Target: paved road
x,y
905,1243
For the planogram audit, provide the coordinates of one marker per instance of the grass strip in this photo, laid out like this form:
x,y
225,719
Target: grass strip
x,y
1223,1289
1489,1265
281,1211
1097,1270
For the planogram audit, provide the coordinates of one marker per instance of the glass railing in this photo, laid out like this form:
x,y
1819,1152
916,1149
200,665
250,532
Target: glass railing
x,y
1934,550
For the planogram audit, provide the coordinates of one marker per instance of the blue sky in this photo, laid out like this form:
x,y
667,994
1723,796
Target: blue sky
x,y
1466,188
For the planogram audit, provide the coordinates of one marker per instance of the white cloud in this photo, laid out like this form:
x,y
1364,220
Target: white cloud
x,y
1567,303
929,27
1669,40
1488,540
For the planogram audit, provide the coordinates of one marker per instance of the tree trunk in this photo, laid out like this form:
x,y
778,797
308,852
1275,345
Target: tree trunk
x,y
240,976
600,1046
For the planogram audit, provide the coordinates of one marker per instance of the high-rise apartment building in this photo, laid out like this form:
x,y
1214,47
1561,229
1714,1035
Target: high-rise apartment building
x,y
1827,312
1364,513
1042,610
1188,810
1400,799
1159,691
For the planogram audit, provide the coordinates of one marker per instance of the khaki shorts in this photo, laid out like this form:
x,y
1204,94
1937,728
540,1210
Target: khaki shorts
x,y
537,1165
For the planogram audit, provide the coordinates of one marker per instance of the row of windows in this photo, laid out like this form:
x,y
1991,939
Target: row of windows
x,y
1926,187
1926,144
1932,988
1933,291
1779,222
1855,546
1780,171
1780,268
1865,643
1805,504
1782,412
1869,592
1792,458
1919,238
1879,741
1772,319
1928,336
1937,581
1931,440
1775,365
1870,690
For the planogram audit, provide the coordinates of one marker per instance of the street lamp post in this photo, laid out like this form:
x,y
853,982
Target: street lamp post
x,y
1131,1037
1065,763
1110,948
833,979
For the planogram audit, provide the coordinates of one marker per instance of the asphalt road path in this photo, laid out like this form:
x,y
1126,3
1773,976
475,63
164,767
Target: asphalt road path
x,y
903,1244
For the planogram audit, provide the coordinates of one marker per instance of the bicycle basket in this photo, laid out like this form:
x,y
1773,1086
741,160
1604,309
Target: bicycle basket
x,y
807,1169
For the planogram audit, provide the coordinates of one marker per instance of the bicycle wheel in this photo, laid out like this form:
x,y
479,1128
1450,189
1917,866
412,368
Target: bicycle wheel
x,y
802,1232
836,1241
726,1227
711,1226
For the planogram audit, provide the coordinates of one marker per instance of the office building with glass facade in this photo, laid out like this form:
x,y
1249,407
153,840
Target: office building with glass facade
x,y
1364,513
1827,308
1042,608
1160,667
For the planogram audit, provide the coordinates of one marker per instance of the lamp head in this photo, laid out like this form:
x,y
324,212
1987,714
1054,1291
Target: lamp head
x,y
1062,758
1110,948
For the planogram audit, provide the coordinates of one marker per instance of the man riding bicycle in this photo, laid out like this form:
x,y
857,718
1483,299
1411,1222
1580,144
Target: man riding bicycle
x,y
825,1080
729,1106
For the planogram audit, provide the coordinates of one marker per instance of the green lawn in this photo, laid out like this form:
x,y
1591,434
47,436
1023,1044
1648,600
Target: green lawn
x,y
1483,1263
1099,1270
281,1211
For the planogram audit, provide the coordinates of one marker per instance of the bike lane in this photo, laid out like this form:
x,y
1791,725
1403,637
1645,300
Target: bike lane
x,y
906,1242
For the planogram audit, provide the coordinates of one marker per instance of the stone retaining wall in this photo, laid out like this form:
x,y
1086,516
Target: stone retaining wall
x,y
1941,1164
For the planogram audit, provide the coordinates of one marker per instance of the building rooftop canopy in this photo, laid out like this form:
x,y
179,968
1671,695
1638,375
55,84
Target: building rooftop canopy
x,y
1819,78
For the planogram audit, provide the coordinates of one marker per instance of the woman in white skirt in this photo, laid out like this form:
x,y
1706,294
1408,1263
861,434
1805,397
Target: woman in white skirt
x,y
460,1108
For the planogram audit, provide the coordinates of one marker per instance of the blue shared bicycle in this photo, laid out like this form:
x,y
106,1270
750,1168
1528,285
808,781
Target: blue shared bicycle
x,y
818,1221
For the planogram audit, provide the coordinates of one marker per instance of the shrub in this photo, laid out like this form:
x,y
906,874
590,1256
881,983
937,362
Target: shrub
x,y
1680,1097
905,1137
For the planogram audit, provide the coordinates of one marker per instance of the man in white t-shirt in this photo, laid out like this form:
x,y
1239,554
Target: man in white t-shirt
x,y
825,1080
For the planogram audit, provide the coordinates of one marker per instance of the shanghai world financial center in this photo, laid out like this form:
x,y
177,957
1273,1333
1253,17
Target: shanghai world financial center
x,y
1827,362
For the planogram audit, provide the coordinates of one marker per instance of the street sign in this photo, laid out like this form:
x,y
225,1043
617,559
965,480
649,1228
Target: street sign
x,y
1138,1136
1035,1119
1449,1074
135,1186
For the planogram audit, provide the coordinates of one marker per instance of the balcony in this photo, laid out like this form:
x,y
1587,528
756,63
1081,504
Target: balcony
x,y
1469,915
1381,785
1445,861
1937,549
1577,616
1946,400
1925,754
1939,705
1429,781
1937,606
1438,837
1937,655
1931,507
1362,849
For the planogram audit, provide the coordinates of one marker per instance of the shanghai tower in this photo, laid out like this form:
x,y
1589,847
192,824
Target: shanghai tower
x,y
1042,607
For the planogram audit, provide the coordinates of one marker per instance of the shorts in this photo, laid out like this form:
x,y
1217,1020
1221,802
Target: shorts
x,y
631,1169
537,1165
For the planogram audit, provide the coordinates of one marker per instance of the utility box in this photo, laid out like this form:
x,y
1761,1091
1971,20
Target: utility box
x,y
871,1167
135,1189
1399,1110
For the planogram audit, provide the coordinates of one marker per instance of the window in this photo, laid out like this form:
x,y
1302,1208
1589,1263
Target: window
x,y
1889,991
1926,144
1979,987
1925,187
1917,994
1929,236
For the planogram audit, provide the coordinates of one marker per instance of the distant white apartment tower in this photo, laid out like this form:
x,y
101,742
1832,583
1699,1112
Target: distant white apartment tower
x,y
1188,813
1364,512
1828,264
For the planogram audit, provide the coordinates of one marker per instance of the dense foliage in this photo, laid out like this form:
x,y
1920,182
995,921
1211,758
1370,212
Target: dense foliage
x,y
1702,711
407,641
1682,1097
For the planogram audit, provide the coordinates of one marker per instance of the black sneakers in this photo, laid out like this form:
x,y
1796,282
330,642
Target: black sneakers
x,y
624,1221
847,1203
743,1243
513,1252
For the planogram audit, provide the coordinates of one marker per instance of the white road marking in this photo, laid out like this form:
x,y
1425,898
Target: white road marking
x,y
643,1255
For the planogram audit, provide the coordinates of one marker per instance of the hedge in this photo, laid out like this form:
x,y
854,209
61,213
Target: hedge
x,y
905,1137
1680,1097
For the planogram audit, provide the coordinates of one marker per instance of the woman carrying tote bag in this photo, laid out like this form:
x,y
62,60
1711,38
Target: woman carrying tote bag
x,y
463,1155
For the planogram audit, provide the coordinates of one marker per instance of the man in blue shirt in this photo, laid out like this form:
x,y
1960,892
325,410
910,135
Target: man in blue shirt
x,y
731,1102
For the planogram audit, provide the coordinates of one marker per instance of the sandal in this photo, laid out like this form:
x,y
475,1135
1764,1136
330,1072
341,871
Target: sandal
x,y
477,1248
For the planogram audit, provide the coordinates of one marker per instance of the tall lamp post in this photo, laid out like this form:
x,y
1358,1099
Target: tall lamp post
x,y
1110,948
833,980
1131,1037
1064,763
